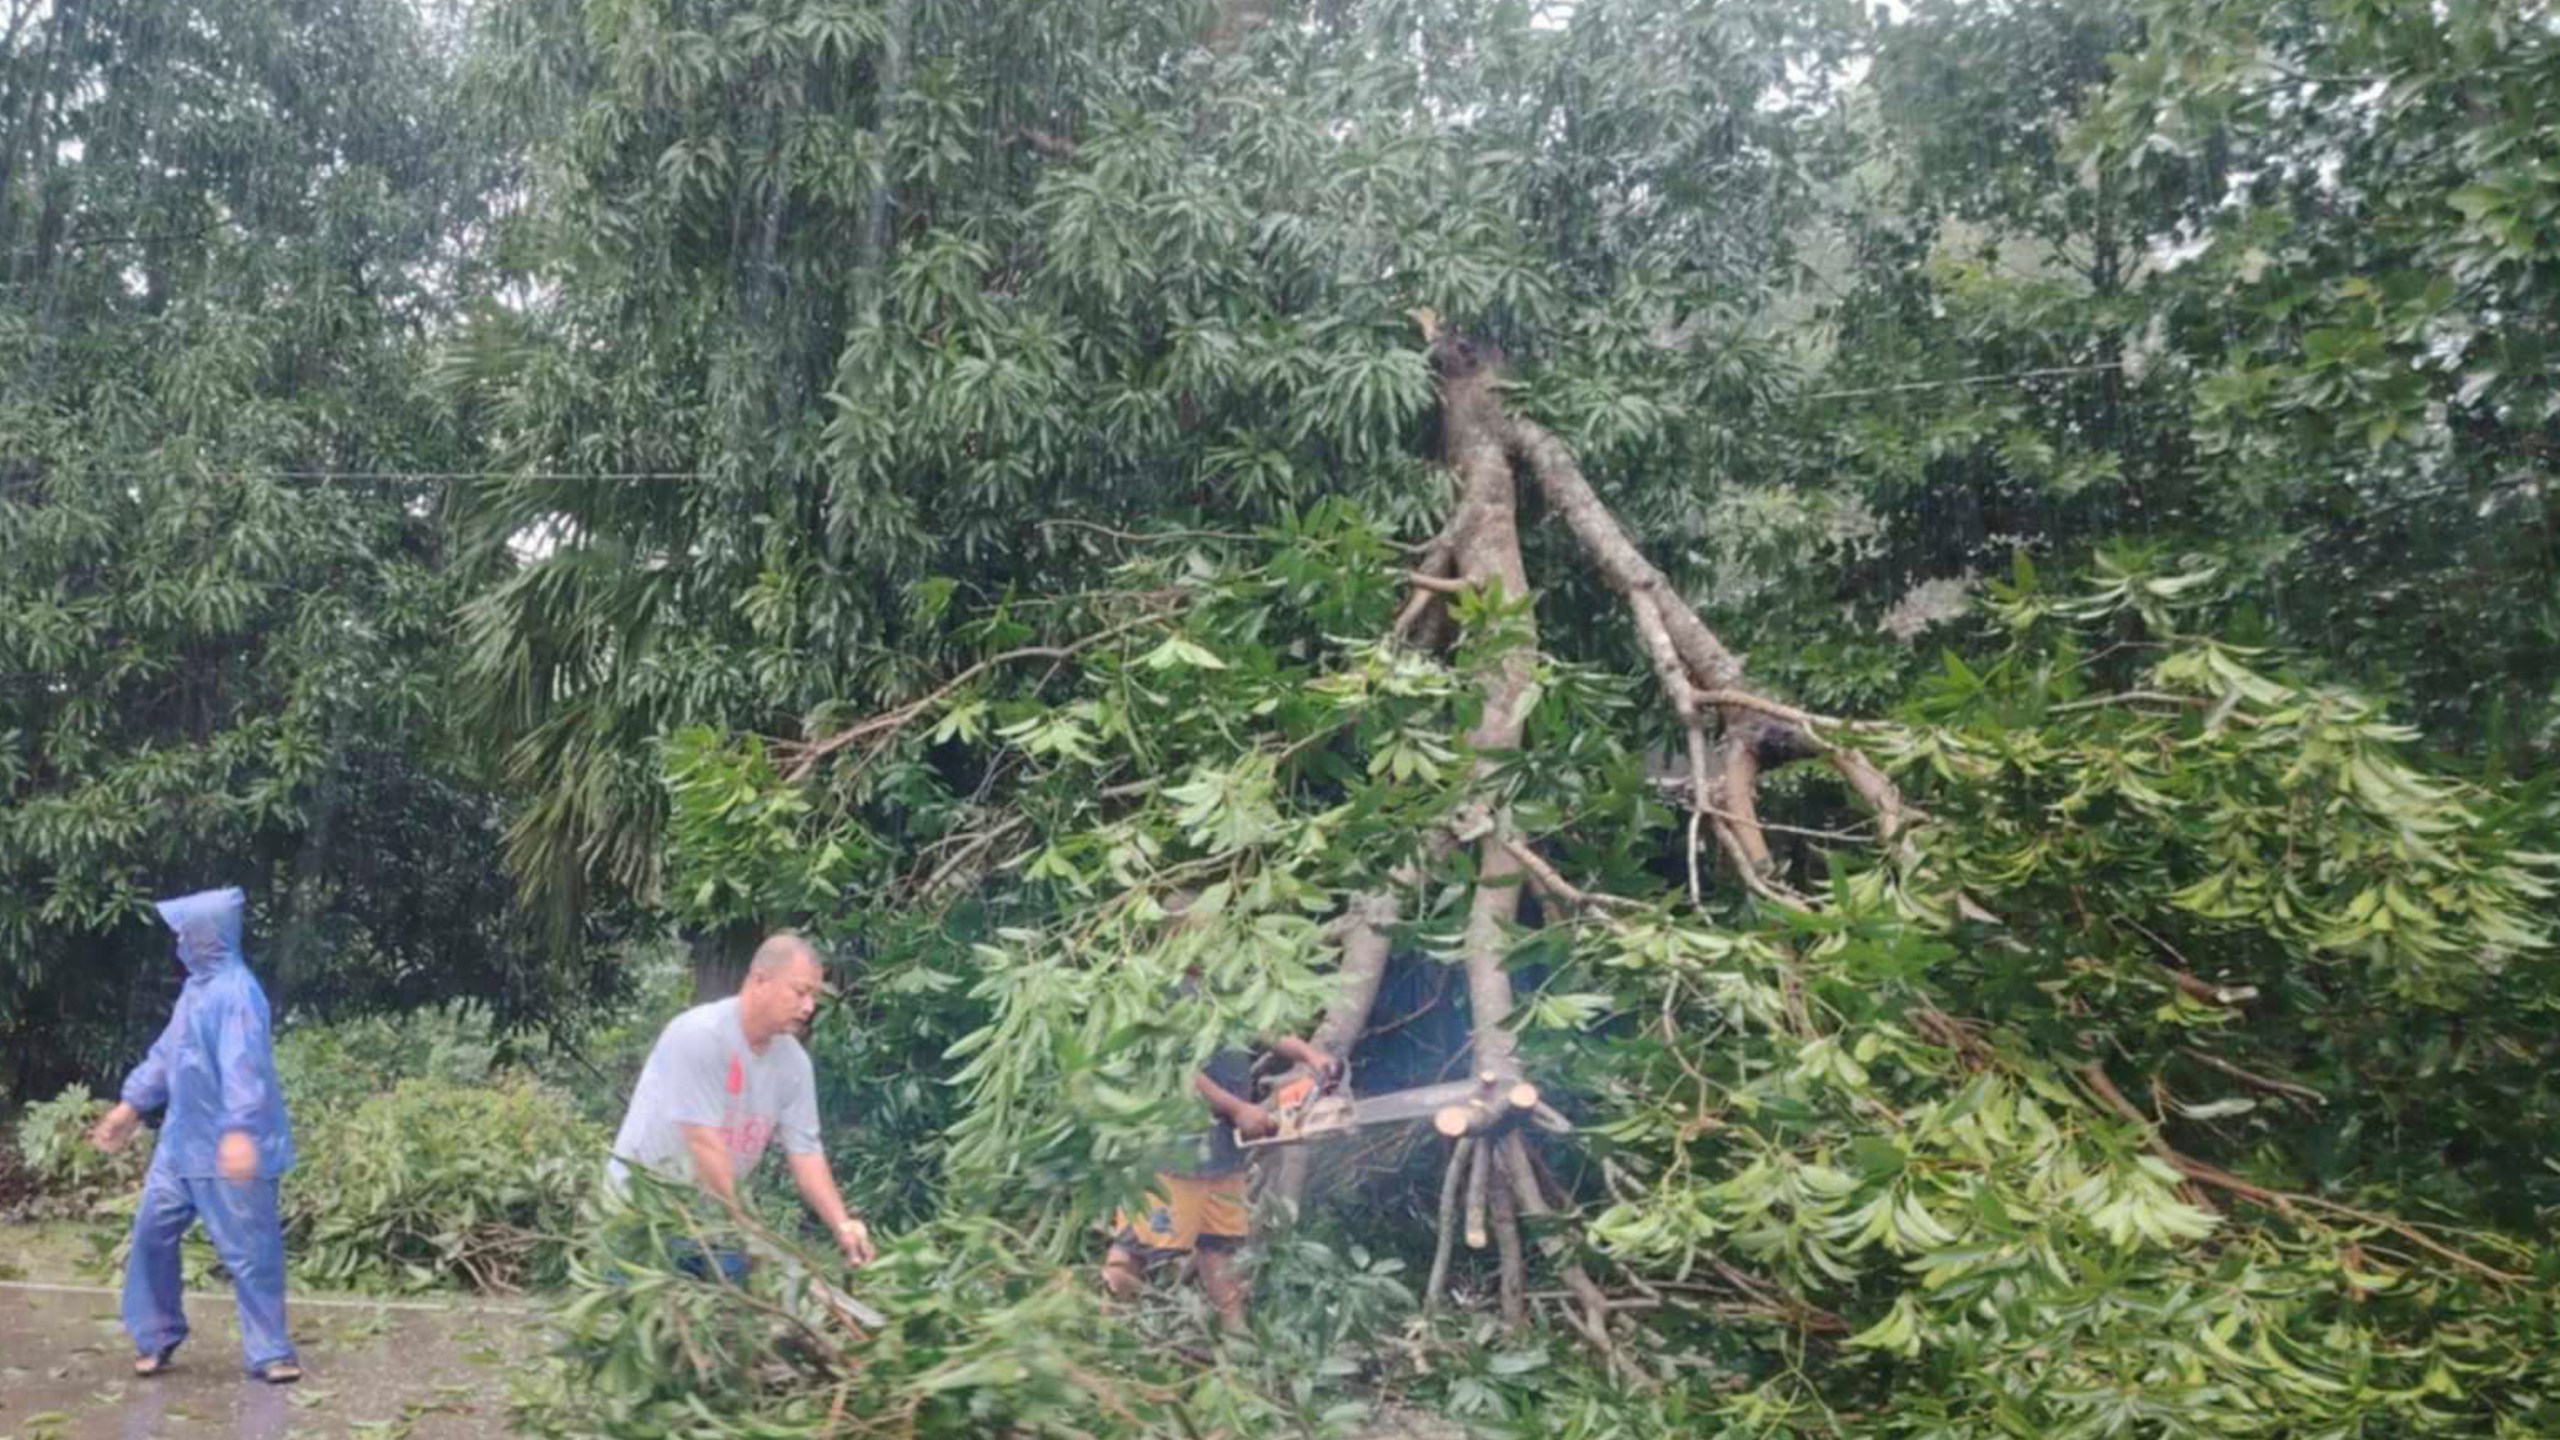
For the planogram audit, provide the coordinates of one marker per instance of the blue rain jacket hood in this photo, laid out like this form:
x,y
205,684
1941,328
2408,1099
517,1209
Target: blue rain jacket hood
x,y
214,1068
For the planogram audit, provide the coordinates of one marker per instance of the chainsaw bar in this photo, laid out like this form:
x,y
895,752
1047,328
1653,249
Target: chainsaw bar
x,y
1316,1113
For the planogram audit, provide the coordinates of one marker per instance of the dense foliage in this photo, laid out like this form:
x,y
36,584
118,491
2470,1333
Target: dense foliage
x,y
225,233
987,1339
944,475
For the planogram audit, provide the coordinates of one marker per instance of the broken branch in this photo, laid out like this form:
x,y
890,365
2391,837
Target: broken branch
x,y
1450,1184
1525,1195
1555,885
2250,1077
1056,147
890,722
1478,1161
2285,1203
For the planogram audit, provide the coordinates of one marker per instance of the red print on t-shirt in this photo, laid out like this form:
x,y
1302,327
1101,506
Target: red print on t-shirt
x,y
745,1133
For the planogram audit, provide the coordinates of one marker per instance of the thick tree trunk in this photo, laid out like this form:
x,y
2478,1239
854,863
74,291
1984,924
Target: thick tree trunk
x,y
1485,552
720,960
1479,549
1363,942
1234,22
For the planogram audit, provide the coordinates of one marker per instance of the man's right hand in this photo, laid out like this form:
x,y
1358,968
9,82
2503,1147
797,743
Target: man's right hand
x,y
115,1128
1253,1122
235,1158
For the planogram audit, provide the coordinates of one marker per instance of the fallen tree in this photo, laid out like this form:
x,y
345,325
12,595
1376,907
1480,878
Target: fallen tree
x,y
1732,733
2005,1004
1734,736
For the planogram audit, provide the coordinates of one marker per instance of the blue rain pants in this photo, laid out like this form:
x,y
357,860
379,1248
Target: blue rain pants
x,y
240,1218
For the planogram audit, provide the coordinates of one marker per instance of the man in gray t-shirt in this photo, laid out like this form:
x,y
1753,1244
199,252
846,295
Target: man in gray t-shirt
x,y
726,1078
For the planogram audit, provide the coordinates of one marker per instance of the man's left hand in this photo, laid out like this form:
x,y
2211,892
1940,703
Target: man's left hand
x,y
237,1159
854,1238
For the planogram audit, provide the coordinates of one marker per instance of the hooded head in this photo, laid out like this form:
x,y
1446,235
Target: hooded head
x,y
207,925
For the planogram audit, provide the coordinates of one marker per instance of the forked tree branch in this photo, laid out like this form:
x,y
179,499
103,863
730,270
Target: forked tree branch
x,y
1697,670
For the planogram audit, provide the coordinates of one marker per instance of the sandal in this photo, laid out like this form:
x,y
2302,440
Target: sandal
x,y
280,1372
147,1367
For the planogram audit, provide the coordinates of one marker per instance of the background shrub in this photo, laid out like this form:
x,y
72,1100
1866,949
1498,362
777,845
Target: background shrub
x,y
67,1175
442,1183
327,1069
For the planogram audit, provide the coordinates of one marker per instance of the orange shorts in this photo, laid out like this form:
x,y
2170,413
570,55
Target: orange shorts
x,y
1188,1212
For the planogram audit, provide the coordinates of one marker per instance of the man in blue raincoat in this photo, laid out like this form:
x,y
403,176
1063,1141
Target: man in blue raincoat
x,y
223,1145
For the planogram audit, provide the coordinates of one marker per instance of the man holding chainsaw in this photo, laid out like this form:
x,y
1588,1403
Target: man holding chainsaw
x,y
1201,1210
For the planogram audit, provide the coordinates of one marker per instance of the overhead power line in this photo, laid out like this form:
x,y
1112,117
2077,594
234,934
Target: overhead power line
x,y
468,474
640,476
388,476
1962,380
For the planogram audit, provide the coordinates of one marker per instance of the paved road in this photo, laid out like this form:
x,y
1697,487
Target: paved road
x,y
377,1371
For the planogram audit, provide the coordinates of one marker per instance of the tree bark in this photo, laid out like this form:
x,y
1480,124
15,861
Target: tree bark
x,y
1364,926
1452,1183
1486,550
1524,1183
1702,678
1479,1192
1234,23
1362,935
1515,1267
720,960
1696,668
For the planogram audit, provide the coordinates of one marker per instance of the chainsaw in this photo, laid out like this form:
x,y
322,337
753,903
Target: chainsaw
x,y
1310,1107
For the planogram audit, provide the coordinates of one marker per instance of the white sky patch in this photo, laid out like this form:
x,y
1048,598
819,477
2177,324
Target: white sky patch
x,y
2169,252
544,538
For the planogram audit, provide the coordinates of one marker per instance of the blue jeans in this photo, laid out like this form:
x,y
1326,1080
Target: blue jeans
x,y
240,1218
689,1257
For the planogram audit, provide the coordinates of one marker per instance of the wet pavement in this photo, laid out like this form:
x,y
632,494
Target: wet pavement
x,y
375,1370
